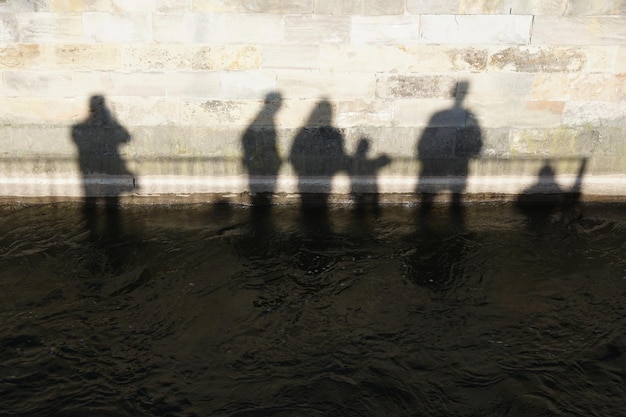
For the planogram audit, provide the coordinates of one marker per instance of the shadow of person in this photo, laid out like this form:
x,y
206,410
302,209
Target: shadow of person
x,y
104,172
444,152
542,200
363,173
261,159
317,154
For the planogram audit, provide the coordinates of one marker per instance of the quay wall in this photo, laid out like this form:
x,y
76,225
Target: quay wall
x,y
152,98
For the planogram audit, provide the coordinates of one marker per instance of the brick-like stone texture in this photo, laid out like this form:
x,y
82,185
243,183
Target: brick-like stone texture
x,y
254,6
20,55
97,57
50,27
458,7
580,87
415,86
478,29
595,8
579,30
118,27
306,29
537,59
385,29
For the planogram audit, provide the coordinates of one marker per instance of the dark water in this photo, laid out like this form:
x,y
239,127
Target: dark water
x,y
200,311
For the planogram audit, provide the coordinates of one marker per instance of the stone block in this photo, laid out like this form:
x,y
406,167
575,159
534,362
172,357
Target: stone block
x,y
597,30
364,113
483,29
99,5
101,57
383,7
225,28
458,7
513,112
396,142
495,142
41,140
577,113
299,84
595,8
309,29
340,8
18,6
152,57
291,56
125,6
20,55
9,32
145,111
547,143
601,58
193,84
431,112
247,84
50,27
620,61
87,83
40,110
172,5
538,7
36,84
393,30
117,27
579,87
498,86
537,59
415,86
236,113
402,59
66,5
254,6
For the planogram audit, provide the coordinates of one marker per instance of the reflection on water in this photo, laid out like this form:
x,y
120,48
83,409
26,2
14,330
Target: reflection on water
x,y
192,312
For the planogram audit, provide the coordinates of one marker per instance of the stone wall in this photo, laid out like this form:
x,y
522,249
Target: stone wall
x,y
389,96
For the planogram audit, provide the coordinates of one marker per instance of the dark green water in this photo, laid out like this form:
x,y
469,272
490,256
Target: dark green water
x,y
225,311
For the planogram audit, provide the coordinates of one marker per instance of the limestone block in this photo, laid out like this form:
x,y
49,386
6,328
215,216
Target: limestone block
x,y
483,29
99,5
499,86
495,142
515,113
458,7
579,86
39,140
620,61
291,56
601,58
578,113
36,84
13,6
150,57
118,27
9,32
421,112
145,111
538,7
309,29
50,27
172,5
123,6
192,84
87,83
101,57
406,58
547,143
247,84
397,30
415,86
537,59
235,113
383,7
40,110
595,7
341,8
20,55
364,112
254,6
300,84
218,28
597,30
66,5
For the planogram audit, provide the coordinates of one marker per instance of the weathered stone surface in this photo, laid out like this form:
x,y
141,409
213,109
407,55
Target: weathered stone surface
x,y
254,6
17,111
36,84
538,7
577,86
315,28
13,6
192,84
396,30
594,113
41,140
479,29
341,8
537,59
597,30
237,113
291,56
409,58
620,61
172,5
126,27
601,58
87,83
420,112
9,32
50,27
415,86
66,5
595,8
364,113
294,84
513,112
458,7
99,57
383,7
20,55
498,86
145,111
545,143
247,84
186,57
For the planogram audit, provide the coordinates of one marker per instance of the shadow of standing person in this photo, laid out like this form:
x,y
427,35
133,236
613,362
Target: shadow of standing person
x,y
317,154
445,150
363,178
261,159
104,172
